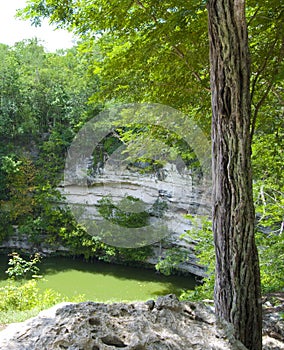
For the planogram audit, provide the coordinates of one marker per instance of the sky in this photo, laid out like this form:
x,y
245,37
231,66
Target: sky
x,y
13,30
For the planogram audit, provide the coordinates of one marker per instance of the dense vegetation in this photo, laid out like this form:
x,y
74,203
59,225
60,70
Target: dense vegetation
x,y
45,98
44,101
21,297
41,110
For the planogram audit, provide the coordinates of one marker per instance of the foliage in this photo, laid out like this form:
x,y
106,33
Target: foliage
x,y
269,207
133,52
80,242
268,196
21,301
52,155
20,186
44,99
21,298
122,213
104,149
269,182
202,235
21,268
142,53
130,212
158,146
270,247
169,264
271,252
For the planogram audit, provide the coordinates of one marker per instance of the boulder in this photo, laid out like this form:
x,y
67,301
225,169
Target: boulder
x,y
162,324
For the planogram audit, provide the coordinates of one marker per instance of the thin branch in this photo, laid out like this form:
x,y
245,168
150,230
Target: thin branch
x,y
258,74
274,73
253,16
280,99
175,48
262,67
270,85
281,228
263,198
257,108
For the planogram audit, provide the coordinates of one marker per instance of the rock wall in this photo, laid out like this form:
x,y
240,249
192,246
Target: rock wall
x,y
177,189
22,243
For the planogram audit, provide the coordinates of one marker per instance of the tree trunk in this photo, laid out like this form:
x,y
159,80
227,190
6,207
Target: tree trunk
x,y
237,286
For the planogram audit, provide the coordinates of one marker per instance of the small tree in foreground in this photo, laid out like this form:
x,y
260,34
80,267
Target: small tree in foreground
x,y
20,268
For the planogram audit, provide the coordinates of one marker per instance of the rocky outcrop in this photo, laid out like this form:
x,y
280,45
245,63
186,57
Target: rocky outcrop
x,y
23,243
273,321
176,189
162,324
154,325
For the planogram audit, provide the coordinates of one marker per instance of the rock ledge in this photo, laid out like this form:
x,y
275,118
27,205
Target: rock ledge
x,y
163,324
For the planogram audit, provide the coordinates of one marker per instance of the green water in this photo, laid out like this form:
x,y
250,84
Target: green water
x,y
104,282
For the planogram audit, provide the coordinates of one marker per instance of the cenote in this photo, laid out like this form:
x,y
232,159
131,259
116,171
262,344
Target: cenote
x,y
104,282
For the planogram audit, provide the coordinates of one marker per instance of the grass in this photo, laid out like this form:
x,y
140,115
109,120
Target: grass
x,y
13,316
21,301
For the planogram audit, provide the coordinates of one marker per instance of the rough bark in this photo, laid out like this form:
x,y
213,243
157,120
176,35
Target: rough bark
x,y
237,286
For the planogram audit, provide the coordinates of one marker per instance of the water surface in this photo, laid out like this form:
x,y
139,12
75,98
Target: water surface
x,y
103,282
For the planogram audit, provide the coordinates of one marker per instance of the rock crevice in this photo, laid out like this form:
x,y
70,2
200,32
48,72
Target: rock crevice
x,y
164,324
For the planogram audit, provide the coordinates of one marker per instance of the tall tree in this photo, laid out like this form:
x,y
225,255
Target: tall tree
x,y
237,281
156,51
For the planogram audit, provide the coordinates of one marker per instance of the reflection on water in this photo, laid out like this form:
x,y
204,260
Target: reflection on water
x,y
104,282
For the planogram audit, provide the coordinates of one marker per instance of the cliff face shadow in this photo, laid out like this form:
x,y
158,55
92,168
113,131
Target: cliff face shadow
x,y
56,265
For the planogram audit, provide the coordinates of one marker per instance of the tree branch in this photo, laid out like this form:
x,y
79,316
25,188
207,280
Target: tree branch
x,y
253,16
270,85
175,48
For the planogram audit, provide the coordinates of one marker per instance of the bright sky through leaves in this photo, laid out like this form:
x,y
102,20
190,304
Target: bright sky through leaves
x,y
13,30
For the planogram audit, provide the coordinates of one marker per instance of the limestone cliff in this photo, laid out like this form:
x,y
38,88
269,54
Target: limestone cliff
x,y
177,190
